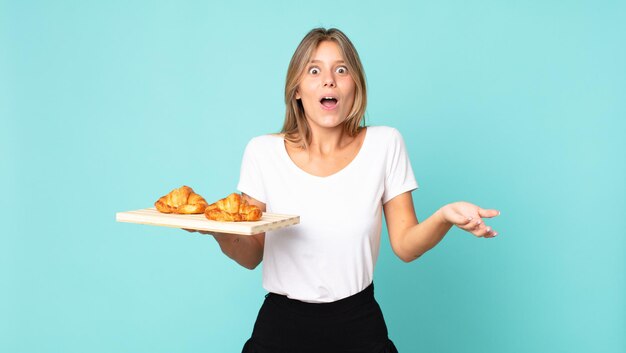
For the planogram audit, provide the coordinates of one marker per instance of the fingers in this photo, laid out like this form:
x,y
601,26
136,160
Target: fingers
x,y
488,213
459,219
483,231
470,218
197,231
488,232
478,228
472,224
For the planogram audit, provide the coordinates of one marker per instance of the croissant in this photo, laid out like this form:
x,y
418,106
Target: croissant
x,y
182,200
232,208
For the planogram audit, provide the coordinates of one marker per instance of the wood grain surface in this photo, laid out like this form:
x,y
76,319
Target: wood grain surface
x,y
150,216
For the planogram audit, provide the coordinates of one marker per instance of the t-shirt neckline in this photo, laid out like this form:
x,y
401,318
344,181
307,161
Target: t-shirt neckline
x,y
343,170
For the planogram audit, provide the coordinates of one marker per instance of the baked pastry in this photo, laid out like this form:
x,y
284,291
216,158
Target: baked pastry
x,y
182,200
232,208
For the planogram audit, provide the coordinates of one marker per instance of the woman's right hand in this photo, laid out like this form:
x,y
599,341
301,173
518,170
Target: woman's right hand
x,y
216,235
246,250
196,231
469,217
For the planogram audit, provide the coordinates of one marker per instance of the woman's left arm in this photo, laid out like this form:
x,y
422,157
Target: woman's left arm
x,y
410,239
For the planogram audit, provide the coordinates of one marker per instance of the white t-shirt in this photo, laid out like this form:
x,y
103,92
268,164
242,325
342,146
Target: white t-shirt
x,y
331,253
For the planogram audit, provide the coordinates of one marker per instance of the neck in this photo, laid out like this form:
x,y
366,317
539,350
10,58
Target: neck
x,y
325,141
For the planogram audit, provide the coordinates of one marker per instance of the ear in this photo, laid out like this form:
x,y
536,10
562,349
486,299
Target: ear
x,y
298,96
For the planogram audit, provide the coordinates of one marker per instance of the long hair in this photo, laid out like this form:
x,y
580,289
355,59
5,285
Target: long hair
x,y
296,128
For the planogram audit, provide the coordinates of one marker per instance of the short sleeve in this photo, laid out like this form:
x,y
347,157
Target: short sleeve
x,y
250,175
399,176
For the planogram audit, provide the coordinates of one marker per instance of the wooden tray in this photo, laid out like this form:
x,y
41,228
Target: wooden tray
x,y
150,216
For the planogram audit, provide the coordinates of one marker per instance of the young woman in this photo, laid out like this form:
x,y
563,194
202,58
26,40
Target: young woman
x,y
339,177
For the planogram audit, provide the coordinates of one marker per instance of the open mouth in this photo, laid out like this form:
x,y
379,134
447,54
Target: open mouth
x,y
328,102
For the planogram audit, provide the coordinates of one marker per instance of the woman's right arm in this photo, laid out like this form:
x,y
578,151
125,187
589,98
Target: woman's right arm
x,y
246,250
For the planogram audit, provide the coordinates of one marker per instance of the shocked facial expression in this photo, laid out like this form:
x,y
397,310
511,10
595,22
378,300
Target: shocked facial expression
x,y
326,88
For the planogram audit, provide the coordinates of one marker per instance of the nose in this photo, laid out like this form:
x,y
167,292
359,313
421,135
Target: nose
x,y
329,80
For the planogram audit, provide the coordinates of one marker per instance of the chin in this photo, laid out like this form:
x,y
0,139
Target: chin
x,y
329,124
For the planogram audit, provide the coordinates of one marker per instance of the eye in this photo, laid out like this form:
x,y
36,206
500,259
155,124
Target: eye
x,y
341,70
314,70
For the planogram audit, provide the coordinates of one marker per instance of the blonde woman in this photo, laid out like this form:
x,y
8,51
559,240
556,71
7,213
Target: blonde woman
x,y
340,177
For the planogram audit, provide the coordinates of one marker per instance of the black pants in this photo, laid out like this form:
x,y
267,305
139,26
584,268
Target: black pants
x,y
351,325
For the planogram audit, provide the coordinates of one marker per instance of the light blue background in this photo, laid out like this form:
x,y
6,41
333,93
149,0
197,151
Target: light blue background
x,y
107,105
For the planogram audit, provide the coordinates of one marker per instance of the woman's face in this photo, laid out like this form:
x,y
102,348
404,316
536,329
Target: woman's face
x,y
326,88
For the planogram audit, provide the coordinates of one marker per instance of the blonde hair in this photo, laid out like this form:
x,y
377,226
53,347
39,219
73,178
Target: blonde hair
x,y
296,128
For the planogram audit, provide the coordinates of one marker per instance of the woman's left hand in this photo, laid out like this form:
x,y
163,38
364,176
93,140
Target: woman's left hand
x,y
469,217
